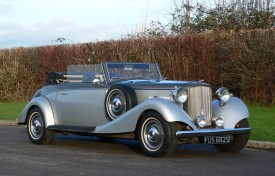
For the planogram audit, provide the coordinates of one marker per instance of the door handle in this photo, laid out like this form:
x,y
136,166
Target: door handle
x,y
64,93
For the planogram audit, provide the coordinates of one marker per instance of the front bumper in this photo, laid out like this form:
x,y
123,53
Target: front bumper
x,y
212,132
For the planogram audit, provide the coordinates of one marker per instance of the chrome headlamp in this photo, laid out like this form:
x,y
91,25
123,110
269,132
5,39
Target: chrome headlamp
x,y
180,95
223,95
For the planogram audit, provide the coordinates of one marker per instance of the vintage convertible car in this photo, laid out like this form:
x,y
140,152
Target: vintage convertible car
x,y
132,100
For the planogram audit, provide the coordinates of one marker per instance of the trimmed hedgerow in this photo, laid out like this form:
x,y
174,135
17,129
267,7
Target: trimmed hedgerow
x,y
243,61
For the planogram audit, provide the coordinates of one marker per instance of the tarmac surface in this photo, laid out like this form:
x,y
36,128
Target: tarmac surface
x,y
251,144
82,155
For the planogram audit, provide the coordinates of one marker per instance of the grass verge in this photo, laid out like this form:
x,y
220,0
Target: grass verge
x,y
11,110
262,123
262,119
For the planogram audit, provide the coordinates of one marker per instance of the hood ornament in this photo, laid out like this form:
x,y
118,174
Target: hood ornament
x,y
202,112
201,81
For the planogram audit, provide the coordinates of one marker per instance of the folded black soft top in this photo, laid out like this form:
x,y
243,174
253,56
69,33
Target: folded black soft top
x,y
55,77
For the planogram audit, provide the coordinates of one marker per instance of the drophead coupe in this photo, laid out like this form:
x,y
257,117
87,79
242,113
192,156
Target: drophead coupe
x,y
132,100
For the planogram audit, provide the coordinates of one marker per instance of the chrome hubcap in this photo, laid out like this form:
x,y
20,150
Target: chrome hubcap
x,y
116,104
36,125
152,134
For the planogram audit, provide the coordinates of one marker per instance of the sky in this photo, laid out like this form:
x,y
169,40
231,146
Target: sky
x,y
27,23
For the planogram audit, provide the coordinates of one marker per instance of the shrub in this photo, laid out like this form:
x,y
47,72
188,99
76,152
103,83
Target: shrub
x,y
242,61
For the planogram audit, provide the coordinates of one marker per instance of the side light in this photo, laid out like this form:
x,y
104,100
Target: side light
x,y
218,121
200,121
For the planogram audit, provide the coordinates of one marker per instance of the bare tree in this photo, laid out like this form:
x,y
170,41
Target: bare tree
x,y
179,16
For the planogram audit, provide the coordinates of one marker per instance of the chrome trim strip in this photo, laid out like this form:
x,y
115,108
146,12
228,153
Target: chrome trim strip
x,y
153,89
212,132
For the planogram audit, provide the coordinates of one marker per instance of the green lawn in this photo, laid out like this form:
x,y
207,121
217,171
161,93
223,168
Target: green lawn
x,y
262,119
11,111
262,123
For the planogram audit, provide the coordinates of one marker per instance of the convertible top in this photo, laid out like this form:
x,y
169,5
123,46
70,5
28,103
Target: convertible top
x,y
53,78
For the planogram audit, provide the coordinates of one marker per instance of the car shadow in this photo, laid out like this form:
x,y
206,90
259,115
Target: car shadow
x,y
130,146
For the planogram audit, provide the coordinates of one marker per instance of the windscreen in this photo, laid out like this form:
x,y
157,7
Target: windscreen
x,y
128,71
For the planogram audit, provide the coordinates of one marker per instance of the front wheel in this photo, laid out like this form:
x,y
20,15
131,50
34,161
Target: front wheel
x,y
37,132
239,140
157,136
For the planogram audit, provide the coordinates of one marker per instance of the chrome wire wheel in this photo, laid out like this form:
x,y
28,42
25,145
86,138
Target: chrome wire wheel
x,y
152,134
36,125
116,103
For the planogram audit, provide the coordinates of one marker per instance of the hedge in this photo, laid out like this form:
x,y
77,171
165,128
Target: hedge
x,y
243,61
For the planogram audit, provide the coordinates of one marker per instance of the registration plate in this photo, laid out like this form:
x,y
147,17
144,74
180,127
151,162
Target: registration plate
x,y
217,139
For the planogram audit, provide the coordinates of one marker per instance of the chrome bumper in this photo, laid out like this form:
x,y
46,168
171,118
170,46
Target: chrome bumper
x,y
212,132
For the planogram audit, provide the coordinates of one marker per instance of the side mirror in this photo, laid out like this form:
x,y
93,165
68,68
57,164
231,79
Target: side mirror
x,y
96,81
100,77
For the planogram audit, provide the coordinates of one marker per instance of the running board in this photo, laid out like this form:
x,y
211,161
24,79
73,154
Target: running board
x,y
71,129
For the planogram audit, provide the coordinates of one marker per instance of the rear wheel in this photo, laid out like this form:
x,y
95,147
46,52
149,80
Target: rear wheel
x,y
239,140
157,136
37,132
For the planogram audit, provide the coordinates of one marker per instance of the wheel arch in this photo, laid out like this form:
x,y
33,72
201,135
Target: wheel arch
x,y
180,124
233,111
170,112
30,109
128,122
140,117
44,105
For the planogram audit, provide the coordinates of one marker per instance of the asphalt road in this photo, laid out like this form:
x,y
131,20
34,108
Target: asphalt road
x,y
77,155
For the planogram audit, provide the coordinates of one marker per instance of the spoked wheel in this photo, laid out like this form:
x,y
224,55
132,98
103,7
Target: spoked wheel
x,y
119,99
239,140
37,132
157,136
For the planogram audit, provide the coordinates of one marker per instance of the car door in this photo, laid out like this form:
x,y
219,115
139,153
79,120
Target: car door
x,y
81,104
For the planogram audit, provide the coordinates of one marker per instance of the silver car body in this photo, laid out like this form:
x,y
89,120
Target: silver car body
x,y
80,107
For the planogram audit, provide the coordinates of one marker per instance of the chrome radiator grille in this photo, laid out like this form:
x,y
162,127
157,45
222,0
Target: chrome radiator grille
x,y
199,101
